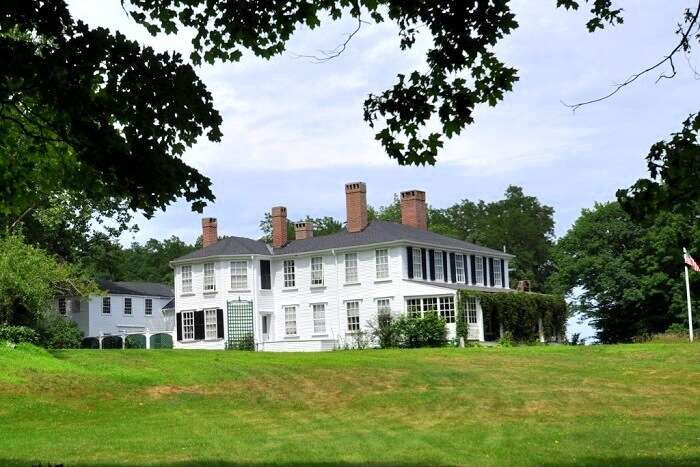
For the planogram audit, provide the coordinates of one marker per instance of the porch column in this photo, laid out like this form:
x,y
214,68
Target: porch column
x,y
500,330
148,339
99,339
540,328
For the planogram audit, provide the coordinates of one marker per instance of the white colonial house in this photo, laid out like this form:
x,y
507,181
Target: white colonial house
x,y
315,293
125,308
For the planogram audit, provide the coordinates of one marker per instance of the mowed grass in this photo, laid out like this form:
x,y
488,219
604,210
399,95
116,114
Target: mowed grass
x,y
602,405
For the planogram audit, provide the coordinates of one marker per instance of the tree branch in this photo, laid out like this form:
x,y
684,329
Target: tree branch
x,y
337,51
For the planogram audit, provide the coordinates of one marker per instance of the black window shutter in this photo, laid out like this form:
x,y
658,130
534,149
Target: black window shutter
x,y
492,279
444,266
503,273
424,263
178,318
409,260
431,263
473,260
486,278
199,325
453,272
265,282
219,323
465,262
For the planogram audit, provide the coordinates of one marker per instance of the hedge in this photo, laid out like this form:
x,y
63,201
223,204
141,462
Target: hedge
x,y
518,313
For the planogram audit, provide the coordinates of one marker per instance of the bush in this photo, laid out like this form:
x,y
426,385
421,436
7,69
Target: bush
x,y
18,334
246,342
57,332
135,341
414,332
383,330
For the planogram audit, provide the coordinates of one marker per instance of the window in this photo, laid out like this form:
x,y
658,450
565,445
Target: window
x,y
289,280
471,310
479,270
382,263
430,305
383,305
127,306
319,315
447,309
438,266
210,330
353,310
417,264
317,270
497,279
413,307
62,305
350,268
459,267
149,307
186,277
290,320
188,325
106,305
209,280
239,275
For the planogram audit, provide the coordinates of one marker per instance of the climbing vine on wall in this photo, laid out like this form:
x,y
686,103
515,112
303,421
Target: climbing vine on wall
x,y
518,313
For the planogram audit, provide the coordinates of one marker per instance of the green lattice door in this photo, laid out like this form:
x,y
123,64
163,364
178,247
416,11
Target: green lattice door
x,y
240,325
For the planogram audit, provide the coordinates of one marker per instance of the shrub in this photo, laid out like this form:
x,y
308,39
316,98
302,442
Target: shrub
x,y
18,334
383,330
246,342
413,332
506,340
135,341
57,332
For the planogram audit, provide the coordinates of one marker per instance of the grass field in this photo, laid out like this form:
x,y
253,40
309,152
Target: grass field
x,y
602,405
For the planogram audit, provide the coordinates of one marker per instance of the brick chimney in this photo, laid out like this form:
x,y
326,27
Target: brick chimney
x,y
413,210
303,229
356,206
279,226
210,232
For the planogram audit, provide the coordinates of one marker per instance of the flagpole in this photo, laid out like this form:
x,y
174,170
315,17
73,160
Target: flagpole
x,y
687,296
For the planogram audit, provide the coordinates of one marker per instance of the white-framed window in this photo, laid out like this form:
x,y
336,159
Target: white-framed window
x,y
186,279
447,309
497,279
127,306
417,263
319,316
439,276
479,267
209,278
290,320
239,275
350,268
470,304
353,312
381,259
188,325
148,307
430,305
317,270
413,307
289,277
383,305
62,305
106,305
459,267
210,324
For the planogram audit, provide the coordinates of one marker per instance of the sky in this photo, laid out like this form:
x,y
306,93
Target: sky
x,y
294,132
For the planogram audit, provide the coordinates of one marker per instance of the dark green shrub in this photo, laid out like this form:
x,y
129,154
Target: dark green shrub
x,y
112,342
427,331
135,341
161,341
90,343
18,334
383,330
57,332
243,343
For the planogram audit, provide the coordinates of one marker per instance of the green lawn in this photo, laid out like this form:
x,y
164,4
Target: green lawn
x,y
603,405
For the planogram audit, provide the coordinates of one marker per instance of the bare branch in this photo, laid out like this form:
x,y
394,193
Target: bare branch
x,y
337,51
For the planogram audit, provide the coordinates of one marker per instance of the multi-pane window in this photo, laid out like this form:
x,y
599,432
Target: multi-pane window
x,y
383,305
438,266
209,279
353,311
430,305
497,279
210,330
239,275
413,307
471,310
381,259
148,310
317,270
319,315
459,268
186,278
290,320
188,325
62,305
479,266
106,305
350,268
289,280
127,306
447,309
417,264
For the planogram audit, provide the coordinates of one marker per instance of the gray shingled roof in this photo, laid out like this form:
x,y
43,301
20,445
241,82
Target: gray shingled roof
x,y
153,289
230,246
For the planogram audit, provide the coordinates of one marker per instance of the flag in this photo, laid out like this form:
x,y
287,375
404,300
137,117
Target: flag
x,y
690,261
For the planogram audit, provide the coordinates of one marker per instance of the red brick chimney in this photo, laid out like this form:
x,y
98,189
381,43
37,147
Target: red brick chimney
x,y
303,229
356,206
210,233
279,226
413,210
